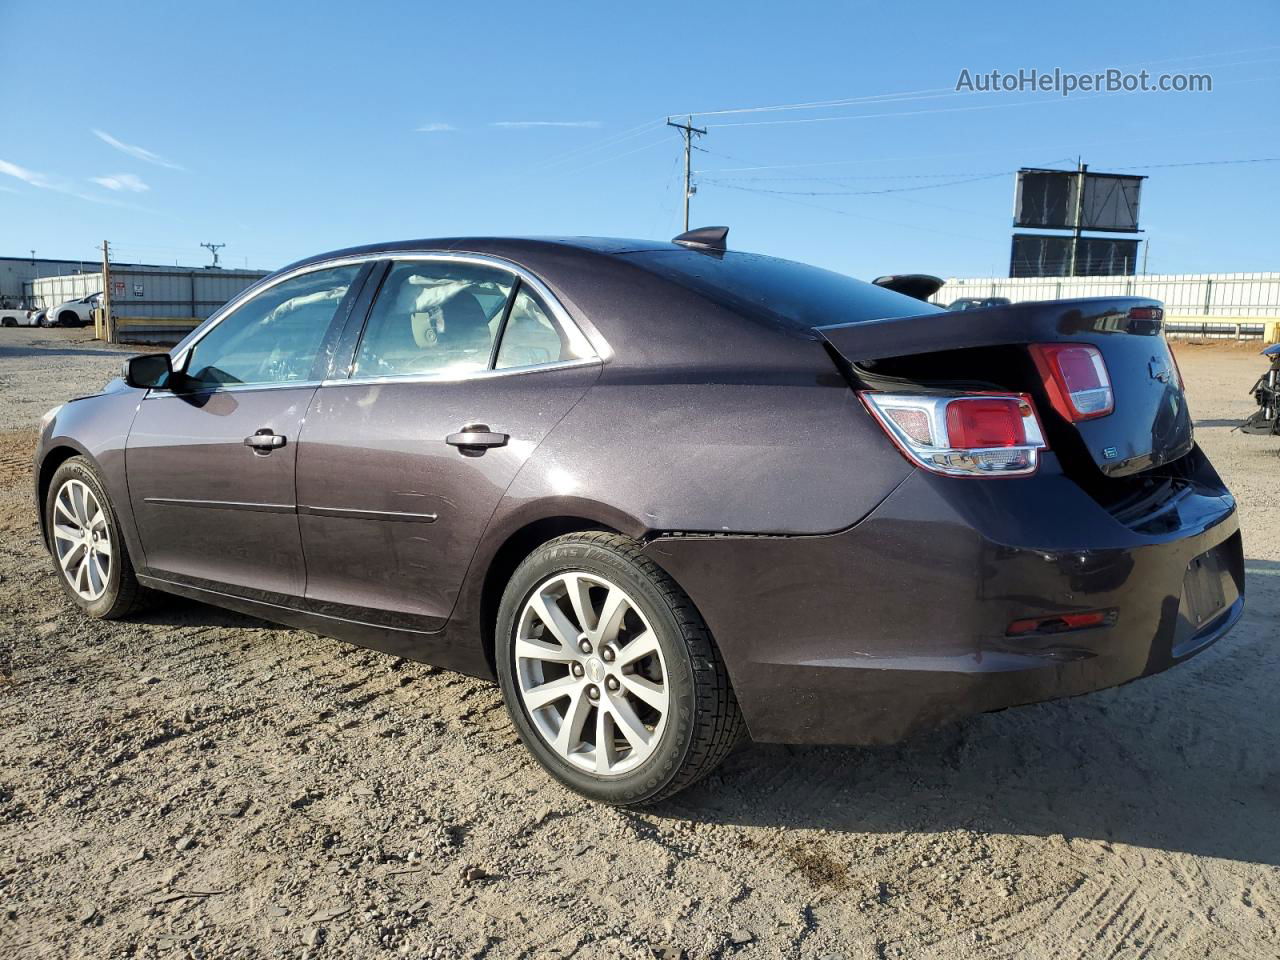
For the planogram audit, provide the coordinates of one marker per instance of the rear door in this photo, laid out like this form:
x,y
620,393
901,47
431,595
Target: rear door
x,y
462,369
211,460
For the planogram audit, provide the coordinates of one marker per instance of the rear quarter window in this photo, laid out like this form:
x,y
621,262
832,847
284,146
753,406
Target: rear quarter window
x,y
779,292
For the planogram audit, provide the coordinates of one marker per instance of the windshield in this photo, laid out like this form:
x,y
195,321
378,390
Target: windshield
x,y
795,294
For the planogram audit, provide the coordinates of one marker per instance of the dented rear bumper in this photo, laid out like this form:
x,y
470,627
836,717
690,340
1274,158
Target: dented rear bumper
x,y
900,623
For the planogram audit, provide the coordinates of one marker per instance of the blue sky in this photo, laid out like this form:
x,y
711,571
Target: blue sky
x,y
287,129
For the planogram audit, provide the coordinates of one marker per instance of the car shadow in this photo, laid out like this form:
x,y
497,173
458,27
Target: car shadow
x,y
1187,760
168,610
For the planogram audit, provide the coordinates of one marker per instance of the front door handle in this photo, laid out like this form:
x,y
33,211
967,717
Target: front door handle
x,y
476,436
265,440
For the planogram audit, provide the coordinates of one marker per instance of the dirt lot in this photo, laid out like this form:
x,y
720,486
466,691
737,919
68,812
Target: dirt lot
x,y
198,784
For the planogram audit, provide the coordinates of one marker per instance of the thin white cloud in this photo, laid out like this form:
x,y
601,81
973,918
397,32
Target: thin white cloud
x,y
436,128
121,181
26,176
44,181
521,124
139,153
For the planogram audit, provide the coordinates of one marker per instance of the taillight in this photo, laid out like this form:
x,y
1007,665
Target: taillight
x,y
1062,622
962,434
1075,378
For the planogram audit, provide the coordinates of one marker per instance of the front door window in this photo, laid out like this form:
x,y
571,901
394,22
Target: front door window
x,y
274,337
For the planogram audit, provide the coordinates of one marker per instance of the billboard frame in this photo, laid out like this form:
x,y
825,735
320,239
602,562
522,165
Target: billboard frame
x,y
1084,174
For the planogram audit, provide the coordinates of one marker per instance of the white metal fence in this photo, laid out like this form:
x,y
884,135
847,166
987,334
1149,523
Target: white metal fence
x,y
1208,295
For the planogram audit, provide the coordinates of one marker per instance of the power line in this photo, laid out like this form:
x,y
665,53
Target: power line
x,y
752,167
1196,163
957,178
918,113
859,193
603,144
987,106
837,102
891,223
939,92
618,156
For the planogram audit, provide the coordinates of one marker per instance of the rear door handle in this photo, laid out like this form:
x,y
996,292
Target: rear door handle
x,y
264,441
476,436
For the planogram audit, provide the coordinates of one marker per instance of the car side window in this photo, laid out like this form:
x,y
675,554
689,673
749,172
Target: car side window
x,y
433,317
531,337
274,337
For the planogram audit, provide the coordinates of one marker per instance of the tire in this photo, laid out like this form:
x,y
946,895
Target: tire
x,y
68,319
668,749
106,598
45,321
10,322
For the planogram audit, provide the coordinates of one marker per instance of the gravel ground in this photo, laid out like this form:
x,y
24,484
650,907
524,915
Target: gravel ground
x,y
200,784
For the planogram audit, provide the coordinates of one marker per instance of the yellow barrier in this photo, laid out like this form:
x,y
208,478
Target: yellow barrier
x,y
191,322
1271,328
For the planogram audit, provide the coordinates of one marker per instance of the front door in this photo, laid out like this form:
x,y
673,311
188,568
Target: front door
x,y
211,459
461,372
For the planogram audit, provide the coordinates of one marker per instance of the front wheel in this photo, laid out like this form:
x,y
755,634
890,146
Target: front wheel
x,y
88,550
609,673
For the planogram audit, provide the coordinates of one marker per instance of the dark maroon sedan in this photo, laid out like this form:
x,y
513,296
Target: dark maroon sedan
x,y
668,494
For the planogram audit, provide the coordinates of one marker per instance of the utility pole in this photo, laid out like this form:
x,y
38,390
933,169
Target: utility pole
x,y
108,321
1081,169
213,248
688,129
1146,252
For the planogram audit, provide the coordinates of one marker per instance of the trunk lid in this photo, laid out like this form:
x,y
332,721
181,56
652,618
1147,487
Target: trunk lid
x,y
1149,425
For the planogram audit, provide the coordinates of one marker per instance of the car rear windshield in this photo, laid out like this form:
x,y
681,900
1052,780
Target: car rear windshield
x,y
778,291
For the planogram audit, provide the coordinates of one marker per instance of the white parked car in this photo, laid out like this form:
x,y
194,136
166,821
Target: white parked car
x,y
15,317
73,313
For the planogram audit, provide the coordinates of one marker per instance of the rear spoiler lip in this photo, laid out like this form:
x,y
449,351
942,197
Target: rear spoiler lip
x,y
1039,321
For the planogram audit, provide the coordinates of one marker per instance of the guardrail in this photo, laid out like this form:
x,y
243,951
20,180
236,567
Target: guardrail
x,y
1222,328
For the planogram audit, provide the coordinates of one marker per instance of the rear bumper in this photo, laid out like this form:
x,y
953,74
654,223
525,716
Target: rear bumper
x,y
899,624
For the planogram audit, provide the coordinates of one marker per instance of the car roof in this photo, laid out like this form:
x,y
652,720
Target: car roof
x,y
660,303
498,246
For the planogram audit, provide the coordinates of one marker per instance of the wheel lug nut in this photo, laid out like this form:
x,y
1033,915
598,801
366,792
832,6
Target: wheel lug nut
x,y
593,692
584,645
608,654
577,670
611,683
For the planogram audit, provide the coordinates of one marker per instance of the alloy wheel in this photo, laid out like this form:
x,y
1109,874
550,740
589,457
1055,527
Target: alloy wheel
x,y
590,673
82,539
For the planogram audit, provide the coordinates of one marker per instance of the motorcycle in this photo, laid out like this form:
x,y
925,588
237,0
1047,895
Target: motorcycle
x,y
1266,393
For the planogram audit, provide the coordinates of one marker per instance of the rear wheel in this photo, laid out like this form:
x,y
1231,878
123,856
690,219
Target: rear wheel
x,y
88,550
609,674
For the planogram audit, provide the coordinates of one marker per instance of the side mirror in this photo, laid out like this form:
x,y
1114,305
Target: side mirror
x,y
150,370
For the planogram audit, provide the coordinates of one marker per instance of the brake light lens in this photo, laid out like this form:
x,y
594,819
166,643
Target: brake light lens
x,y
962,434
986,422
1075,378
